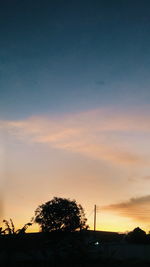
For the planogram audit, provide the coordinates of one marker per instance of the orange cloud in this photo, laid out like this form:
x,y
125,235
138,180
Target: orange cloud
x,y
100,134
136,208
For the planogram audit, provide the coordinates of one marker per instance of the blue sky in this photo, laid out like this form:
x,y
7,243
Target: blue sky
x,y
62,56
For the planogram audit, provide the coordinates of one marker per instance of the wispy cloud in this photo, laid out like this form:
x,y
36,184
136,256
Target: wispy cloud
x,y
102,134
147,178
137,209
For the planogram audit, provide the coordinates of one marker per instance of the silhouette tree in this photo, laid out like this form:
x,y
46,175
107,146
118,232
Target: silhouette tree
x,y
23,229
60,214
136,236
10,228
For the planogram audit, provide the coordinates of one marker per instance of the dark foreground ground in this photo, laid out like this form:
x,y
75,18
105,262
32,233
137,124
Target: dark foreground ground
x,y
91,264
80,249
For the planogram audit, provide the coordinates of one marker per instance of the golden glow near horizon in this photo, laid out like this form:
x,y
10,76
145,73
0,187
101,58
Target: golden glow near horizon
x,y
104,223
96,157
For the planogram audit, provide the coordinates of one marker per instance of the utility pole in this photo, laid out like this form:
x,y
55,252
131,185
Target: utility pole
x,y
94,217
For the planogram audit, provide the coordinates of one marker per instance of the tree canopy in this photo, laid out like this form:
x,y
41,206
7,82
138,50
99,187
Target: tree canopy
x,y
136,236
60,214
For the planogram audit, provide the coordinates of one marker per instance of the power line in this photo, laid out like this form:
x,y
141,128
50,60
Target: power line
x,y
91,212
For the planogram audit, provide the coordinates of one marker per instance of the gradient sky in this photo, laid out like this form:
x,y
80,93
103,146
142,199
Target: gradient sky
x,y
75,108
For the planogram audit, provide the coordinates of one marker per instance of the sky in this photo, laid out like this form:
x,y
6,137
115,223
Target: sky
x,y
75,109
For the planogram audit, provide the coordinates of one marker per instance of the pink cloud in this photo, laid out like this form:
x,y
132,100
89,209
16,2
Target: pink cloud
x,y
101,134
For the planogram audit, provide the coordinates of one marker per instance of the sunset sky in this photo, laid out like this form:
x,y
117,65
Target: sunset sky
x,y
75,109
